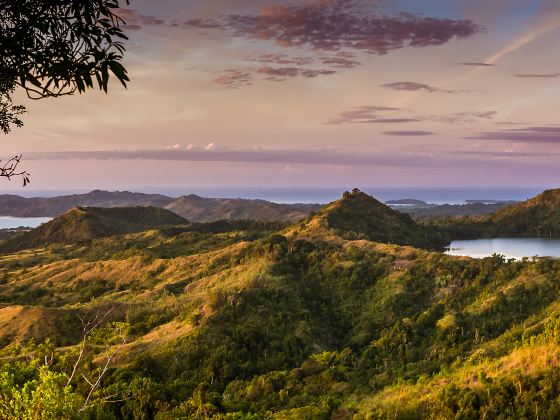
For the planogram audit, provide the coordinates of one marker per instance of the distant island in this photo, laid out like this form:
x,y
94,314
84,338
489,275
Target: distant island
x,y
491,201
406,202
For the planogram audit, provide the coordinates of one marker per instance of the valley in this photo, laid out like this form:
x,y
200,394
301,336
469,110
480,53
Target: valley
x,y
351,312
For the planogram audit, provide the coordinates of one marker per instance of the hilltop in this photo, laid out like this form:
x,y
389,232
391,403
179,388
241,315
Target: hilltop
x,y
16,206
199,209
323,319
358,215
86,223
191,207
242,324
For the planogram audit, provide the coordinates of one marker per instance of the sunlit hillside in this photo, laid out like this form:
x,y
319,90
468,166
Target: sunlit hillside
x,y
255,320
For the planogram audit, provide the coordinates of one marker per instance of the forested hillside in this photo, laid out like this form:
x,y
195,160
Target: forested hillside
x,y
192,207
86,223
360,216
538,217
237,320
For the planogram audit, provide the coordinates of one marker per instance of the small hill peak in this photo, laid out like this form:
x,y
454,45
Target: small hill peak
x,y
358,215
192,197
83,223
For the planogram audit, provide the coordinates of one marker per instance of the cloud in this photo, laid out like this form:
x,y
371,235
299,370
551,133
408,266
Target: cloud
x,y
210,146
279,73
369,115
544,134
135,21
314,73
336,61
476,64
415,87
283,157
502,154
408,133
377,114
464,117
341,60
282,73
334,31
282,59
538,76
237,78
336,24
234,78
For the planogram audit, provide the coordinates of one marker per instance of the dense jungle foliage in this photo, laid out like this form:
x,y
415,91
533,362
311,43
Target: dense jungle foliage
x,y
249,320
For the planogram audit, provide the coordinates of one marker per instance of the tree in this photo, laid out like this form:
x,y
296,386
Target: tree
x,y
51,48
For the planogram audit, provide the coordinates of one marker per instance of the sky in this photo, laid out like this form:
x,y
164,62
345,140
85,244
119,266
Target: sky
x,y
318,93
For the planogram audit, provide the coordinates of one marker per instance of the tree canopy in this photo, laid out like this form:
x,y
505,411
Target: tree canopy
x,y
52,48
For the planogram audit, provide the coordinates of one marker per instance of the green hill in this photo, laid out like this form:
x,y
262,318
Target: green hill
x,y
538,216
84,223
235,321
200,209
359,216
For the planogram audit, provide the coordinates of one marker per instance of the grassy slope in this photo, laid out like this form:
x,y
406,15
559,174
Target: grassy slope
x,y
312,324
360,216
83,223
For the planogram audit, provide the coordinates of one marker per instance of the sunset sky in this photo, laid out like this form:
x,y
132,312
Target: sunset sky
x,y
327,93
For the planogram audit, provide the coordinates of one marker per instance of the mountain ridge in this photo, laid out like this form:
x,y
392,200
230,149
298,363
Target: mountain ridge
x,y
192,207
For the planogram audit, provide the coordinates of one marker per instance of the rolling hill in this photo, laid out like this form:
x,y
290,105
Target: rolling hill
x,y
199,209
538,216
321,320
359,216
192,207
85,223
16,206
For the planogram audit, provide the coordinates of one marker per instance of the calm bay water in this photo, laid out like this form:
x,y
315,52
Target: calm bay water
x,y
7,222
509,247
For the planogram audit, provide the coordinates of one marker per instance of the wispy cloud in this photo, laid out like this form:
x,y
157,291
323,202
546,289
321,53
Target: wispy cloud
x,y
306,157
377,114
234,78
408,133
545,134
282,73
415,87
135,20
464,117
476,64
282,59
538,75
369,115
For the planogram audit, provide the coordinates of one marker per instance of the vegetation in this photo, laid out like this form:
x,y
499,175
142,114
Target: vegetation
x,y
360,216
191,207
85,223
251,320
52,48
539,216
